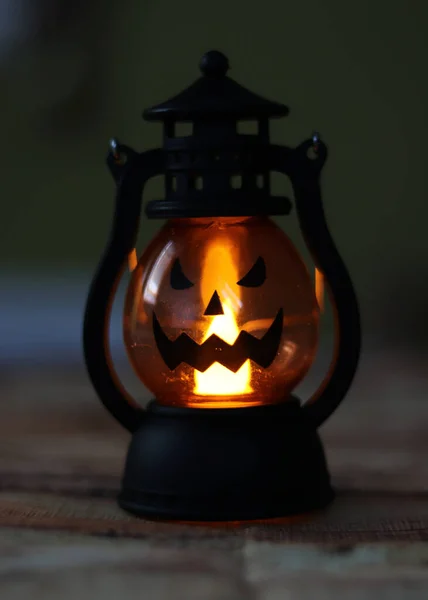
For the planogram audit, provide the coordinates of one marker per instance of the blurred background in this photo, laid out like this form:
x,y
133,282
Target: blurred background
x,y
75,74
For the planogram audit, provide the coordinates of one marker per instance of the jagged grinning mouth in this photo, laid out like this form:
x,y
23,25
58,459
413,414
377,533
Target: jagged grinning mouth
x,y
214,349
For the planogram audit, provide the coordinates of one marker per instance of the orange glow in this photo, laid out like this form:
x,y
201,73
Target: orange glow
x,y
132,260
319,289
219,272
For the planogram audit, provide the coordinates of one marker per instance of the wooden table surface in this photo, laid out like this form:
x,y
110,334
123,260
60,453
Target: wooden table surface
x,y
62,535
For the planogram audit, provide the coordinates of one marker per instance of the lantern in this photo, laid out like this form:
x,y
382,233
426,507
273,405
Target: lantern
x,y
221,317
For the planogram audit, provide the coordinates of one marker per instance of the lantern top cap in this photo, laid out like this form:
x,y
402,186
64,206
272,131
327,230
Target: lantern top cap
x,y
214,64
215,96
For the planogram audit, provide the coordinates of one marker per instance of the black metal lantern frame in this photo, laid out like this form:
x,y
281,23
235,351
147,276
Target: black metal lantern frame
x,y
257,462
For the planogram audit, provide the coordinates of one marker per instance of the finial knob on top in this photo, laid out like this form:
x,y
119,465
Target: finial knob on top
x,y
214,64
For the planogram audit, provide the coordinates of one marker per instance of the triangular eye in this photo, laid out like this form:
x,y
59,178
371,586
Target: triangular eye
x,y
178,279
256,275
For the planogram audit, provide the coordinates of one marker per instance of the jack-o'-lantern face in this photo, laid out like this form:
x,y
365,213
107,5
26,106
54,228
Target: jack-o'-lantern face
x,y
217,346
221,313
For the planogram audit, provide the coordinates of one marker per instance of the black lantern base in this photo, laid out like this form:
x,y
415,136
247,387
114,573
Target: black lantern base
x,y
225,464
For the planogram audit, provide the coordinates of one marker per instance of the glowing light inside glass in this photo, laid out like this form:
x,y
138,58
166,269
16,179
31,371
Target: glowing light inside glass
x,y
221,259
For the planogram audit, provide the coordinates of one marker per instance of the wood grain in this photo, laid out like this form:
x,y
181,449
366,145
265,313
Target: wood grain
x,y
62,534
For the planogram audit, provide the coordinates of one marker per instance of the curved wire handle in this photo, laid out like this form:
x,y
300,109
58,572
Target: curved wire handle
x,y
304,172
130,171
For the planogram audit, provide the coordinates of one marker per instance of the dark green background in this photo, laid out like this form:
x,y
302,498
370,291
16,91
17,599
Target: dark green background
x,y
357,72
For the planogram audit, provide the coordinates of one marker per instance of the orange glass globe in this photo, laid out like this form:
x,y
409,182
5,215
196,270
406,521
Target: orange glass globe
x,y
221,313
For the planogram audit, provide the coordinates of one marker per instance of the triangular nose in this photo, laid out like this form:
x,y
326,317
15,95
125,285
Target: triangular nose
x,y
214,306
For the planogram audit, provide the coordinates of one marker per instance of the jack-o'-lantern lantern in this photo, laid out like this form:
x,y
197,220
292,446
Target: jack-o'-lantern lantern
x,y
221,316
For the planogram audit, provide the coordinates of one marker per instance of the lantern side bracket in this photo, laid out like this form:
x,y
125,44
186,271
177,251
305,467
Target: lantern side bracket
x,y
303,166
131,178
